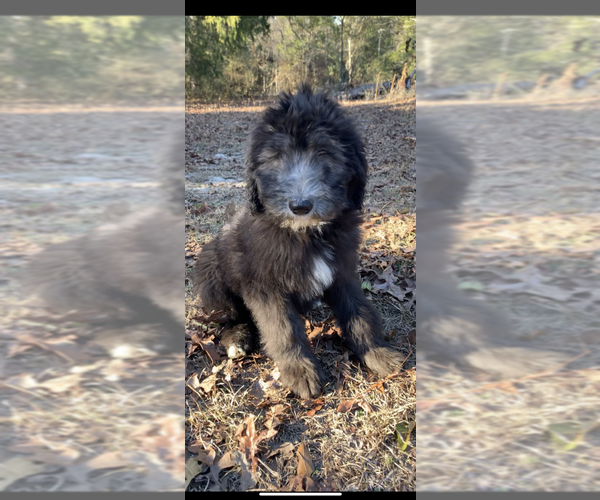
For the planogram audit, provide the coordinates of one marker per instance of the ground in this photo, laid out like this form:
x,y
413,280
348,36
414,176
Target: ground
x,y
529,247
244,431
71,419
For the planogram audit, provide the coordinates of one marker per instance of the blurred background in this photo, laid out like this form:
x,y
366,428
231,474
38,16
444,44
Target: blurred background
x,y
74,58
89,110
522,94
481,57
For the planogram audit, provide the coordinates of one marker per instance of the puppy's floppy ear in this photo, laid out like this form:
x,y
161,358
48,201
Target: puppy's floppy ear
x,y
358,182
253,195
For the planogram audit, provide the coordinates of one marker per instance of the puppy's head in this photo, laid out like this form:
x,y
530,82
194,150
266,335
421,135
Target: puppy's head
x,y
305,162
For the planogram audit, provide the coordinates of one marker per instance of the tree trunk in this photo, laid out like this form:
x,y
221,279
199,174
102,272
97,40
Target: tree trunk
x,y
342,53
349,61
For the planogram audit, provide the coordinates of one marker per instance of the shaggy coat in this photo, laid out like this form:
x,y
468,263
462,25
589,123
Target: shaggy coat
x,y
296,242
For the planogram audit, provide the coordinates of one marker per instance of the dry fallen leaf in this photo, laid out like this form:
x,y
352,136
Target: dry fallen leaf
x,y
59,453
346,406
257,391
162,440
286,450
305,465
301,483
193,382
209,348
204,455
22,380
366,406
192,469
108,460
228,460
61,384
272,419
249,440
209,384
318,404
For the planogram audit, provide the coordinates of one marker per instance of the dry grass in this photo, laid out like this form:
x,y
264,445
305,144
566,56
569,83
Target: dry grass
x,y
533,435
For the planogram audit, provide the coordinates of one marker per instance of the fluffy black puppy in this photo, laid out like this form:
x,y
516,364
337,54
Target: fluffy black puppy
x,y
296,242
451,326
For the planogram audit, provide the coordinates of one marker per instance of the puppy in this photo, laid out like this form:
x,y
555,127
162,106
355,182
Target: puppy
x,y
297,241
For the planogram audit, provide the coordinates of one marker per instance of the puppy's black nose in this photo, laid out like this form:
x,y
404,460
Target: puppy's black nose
x,y
301,207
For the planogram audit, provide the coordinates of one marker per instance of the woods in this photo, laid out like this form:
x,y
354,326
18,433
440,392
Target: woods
x,y
251,56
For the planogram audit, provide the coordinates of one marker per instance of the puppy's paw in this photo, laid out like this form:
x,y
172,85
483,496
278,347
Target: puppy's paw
x,y
303,378
382,360
238,341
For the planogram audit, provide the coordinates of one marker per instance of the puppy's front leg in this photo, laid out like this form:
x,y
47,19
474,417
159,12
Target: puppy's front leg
x,y
282,334
361,326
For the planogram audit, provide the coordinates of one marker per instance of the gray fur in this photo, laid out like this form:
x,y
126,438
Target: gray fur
x,y
270,264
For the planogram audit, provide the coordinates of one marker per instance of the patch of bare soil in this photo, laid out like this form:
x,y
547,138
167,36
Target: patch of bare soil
x,y
244,431
72,419
529,246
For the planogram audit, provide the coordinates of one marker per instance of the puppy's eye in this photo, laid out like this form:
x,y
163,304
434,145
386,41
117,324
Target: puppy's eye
x,y
322,153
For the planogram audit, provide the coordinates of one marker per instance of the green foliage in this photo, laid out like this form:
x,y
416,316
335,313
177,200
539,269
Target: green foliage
x,y
248,56
210,41
387,44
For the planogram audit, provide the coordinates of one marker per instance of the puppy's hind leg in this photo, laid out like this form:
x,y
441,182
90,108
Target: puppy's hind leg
x,y
240,336
361,327
240,333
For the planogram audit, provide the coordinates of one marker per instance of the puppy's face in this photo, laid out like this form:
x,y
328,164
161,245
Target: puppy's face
x,y
303,184
305,163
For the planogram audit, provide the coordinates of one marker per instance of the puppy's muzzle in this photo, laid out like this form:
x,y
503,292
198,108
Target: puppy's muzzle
x,y
301,207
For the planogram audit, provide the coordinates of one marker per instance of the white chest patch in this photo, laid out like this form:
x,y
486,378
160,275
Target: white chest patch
x,y
322,275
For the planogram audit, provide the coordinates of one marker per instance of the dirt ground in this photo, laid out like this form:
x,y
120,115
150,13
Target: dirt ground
x,y
72,419
529,245
244,431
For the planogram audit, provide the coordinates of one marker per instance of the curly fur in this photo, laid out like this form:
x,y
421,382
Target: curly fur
x,y
273,260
